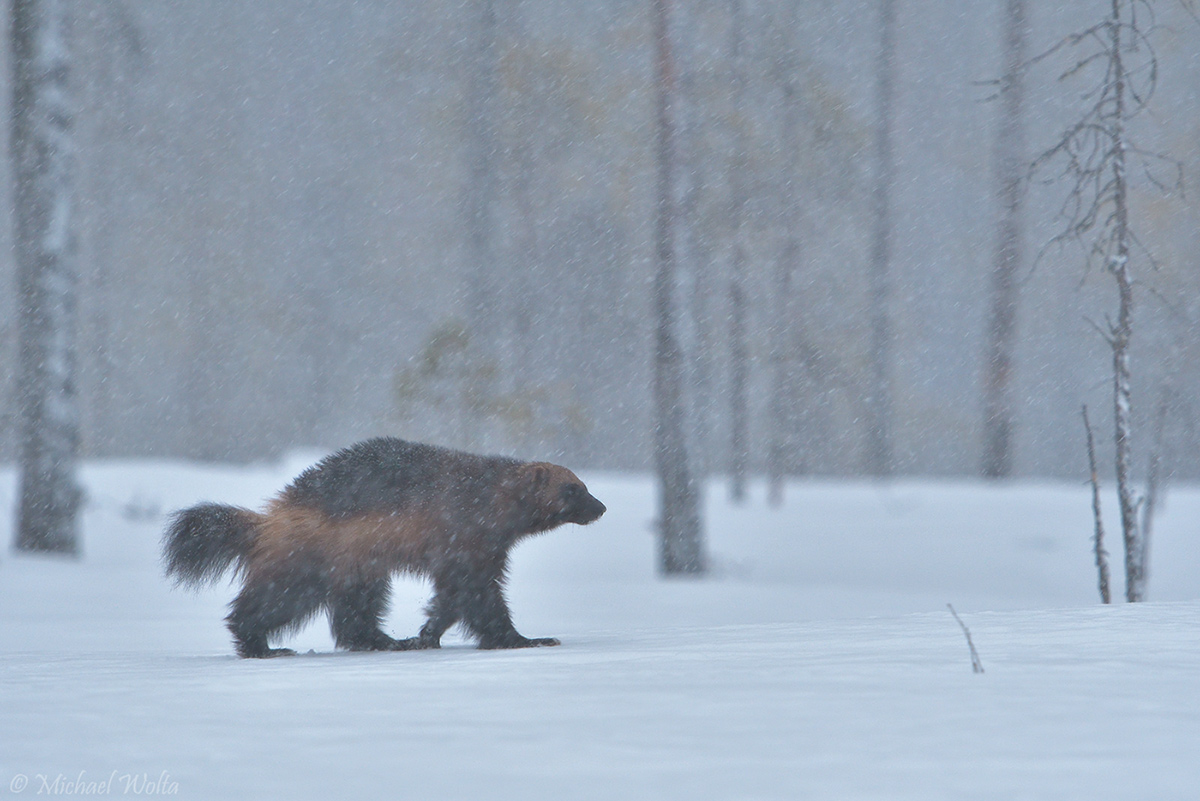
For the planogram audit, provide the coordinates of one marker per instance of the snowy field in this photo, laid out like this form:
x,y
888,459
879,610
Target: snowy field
x,y
818,661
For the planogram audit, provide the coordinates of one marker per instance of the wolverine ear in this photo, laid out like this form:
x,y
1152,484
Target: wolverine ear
x,y
539,476
529,487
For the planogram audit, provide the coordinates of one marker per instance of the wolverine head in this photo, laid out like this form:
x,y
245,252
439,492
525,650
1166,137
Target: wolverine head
x,y
553,495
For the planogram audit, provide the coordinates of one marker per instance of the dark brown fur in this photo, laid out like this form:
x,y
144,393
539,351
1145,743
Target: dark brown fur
x,y
335,536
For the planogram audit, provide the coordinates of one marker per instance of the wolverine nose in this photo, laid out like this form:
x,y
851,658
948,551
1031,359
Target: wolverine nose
x,y
593,509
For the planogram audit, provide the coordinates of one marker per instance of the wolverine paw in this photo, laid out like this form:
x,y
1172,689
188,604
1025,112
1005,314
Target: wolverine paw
x,y
269,653
382,642
517,642
415,644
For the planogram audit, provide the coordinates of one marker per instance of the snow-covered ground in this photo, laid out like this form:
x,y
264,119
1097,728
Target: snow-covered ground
x,y
817,661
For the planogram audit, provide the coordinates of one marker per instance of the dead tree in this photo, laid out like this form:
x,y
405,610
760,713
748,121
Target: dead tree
x,y
1093,156
43,167
1010,140
681,544
739,350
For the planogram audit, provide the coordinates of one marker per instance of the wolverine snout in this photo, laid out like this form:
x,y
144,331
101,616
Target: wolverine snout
x,y
589,511
577,505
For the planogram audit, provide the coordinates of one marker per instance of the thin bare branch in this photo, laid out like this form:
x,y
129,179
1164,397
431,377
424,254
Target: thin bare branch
x,y
1068,41
1105,335
1190,8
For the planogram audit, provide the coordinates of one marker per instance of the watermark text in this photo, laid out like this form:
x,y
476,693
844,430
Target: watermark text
x,y
88,784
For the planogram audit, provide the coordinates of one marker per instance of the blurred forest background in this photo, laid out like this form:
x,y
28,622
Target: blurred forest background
x,y
307,222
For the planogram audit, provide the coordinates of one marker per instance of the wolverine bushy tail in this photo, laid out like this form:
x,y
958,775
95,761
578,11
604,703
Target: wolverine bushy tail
x,y
203,541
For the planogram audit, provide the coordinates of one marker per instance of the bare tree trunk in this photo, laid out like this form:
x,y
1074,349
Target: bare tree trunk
x,y
784,396
694,252
1010,140
739,368
739,378
879,398
483,289
112,29
681,547
1123,330
1098,518
43,165
528,248
202,353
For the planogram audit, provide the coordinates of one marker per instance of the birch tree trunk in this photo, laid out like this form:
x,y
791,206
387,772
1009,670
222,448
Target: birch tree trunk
x,y
43,167
1122,330
681,547
1010,141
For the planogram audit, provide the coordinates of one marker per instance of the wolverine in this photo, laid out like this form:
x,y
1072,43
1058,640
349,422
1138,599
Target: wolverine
x,y
332,540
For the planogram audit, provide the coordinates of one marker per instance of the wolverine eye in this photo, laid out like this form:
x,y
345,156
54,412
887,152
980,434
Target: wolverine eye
x,y
571,491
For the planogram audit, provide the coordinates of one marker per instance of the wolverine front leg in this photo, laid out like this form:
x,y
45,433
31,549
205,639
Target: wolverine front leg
x,y
486,613
473,594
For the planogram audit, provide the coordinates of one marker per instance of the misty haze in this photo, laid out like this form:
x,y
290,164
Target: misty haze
x,y
844,310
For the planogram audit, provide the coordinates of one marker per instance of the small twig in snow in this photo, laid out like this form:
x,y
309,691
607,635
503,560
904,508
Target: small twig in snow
x,y
976,665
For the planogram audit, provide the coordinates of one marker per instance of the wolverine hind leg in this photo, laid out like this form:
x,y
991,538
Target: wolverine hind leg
x,y
355,612
266,607
444,610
